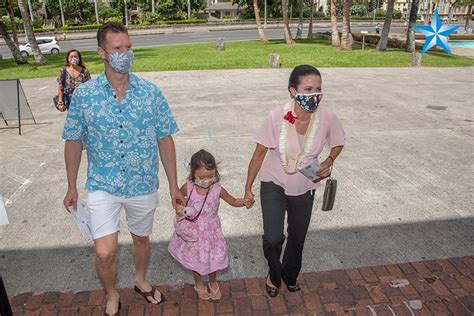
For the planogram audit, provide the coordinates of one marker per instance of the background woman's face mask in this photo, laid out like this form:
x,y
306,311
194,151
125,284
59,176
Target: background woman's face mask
x,y
121,62
74,60
204,183
309,102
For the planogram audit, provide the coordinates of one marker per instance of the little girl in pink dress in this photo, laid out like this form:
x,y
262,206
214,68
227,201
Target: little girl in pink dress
x,y
197,242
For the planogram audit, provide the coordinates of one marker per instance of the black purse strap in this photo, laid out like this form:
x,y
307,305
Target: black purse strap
x,y
63,78
202,206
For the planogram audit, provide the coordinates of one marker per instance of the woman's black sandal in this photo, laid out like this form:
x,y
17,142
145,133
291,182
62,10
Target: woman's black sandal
x,y
271,290
294,288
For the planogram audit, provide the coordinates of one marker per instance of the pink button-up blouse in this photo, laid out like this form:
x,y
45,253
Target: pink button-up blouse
x,y
329,131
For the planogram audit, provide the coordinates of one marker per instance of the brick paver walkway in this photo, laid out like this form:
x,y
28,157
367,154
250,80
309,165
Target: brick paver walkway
x,y
430,287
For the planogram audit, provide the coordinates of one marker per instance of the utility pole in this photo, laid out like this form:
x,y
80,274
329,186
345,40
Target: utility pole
x,y
31,11
96,12
62,12
153,6
375,9
189,9
126,12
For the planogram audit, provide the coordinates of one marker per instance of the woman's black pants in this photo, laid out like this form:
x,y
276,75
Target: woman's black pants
x,y
299,208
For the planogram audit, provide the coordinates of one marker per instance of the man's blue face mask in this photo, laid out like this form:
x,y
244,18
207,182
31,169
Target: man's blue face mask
x,y
121,62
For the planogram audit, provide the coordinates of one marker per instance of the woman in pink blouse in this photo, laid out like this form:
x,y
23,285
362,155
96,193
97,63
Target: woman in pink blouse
x,y
291,138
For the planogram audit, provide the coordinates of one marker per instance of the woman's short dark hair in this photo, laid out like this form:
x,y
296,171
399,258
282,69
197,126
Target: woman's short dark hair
x,y
114,27
202,159
78,54
299,72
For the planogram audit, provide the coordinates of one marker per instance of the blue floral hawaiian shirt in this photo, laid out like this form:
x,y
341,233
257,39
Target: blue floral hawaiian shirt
x,y
120,138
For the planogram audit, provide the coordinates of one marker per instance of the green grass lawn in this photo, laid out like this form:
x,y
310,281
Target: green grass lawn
x,y
240,55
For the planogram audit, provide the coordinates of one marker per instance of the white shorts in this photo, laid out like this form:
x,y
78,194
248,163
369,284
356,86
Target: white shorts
x,y
105,208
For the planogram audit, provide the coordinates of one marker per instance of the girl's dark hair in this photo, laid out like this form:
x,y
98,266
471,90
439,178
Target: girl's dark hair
x,y
202,159
78,54
299,72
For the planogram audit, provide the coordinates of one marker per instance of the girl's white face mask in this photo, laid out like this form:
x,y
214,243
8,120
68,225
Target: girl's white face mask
x,y
204,183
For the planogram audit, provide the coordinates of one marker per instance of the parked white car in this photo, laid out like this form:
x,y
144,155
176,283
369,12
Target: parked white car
x,y
46,44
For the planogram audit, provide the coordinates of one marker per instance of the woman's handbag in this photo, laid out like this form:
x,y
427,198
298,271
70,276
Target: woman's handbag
x,y
186,227
329,192
65,100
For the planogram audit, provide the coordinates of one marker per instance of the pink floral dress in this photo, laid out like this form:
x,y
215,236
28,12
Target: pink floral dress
x,y
209,252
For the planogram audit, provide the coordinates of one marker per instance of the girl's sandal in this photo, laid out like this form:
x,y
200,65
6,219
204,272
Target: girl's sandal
x,y
116,313
215,294
202,294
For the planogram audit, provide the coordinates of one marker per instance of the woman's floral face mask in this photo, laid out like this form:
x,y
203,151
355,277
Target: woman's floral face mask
x,y
74,60
309,102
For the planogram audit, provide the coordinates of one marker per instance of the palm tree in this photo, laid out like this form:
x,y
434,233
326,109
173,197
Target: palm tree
x,y
382,44
310,26
40,60
299,31
288,37
261,33
334,32
468,4
468,15
346,43
19,59
9,8
410,43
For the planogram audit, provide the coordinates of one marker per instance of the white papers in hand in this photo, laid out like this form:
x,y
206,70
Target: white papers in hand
x,y
310,171
83,221
3,213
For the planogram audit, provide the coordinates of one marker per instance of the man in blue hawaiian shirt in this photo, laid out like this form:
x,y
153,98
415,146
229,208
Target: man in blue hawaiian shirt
x,y
123,121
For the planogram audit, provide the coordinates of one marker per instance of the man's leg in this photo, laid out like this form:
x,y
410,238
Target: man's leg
x,y
104,212
106,267
140,211
141,253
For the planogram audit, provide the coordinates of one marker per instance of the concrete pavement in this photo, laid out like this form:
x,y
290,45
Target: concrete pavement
x,y
405,175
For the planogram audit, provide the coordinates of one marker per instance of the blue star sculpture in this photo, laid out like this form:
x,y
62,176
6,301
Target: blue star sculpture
x,y
436,33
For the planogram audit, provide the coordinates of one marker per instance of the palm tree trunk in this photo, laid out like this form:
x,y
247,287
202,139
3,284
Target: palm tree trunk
x,y
468,16
410,43
9,8
261,34
40,60
11,45
346,26
382,44
334,32
288,37
310,27
299,31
